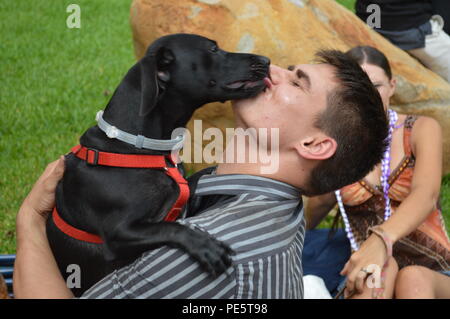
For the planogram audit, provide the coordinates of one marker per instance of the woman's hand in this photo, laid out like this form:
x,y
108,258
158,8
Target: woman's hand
x,y
41,199
362,264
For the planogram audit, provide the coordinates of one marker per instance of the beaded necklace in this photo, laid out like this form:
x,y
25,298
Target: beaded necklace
x,y
384,179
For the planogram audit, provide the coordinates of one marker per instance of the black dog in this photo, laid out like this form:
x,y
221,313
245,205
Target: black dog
x,y
126,207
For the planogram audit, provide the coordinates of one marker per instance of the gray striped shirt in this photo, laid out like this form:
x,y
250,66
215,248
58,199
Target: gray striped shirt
x,y
261,220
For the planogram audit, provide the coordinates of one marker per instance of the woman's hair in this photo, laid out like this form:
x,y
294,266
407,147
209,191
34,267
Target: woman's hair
x,y
370,55
354,117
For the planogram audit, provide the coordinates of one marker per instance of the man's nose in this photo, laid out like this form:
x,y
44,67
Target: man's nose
x,y
276,74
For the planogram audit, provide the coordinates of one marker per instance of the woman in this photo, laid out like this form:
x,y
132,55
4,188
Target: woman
x,y
399,197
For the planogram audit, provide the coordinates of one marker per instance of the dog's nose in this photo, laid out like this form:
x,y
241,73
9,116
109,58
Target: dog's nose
x,y
264,60
260,61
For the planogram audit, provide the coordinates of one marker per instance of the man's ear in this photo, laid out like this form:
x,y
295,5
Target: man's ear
x,y
317,148
153,67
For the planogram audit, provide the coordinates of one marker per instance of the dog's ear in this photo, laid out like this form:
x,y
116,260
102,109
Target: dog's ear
x,y
153,67
149,84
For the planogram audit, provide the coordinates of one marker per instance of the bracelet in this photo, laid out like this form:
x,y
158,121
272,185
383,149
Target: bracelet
x,y
377,230
378,293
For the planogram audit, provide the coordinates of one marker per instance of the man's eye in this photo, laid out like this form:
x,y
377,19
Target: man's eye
x,y
294,83
214,49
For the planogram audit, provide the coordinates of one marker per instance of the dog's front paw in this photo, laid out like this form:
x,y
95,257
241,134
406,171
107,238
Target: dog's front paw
x,y
213,255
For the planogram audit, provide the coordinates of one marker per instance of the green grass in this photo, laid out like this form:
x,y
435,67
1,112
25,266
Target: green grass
x,y
52,82
349,4
445,200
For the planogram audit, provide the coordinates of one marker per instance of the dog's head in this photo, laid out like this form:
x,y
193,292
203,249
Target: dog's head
x,y
195,69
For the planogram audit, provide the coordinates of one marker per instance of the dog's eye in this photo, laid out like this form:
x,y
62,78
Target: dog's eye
x,y
214,49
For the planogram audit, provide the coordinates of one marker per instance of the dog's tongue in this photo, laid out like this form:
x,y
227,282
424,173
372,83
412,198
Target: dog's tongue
x,y
268,82
236,85
250,84
245,84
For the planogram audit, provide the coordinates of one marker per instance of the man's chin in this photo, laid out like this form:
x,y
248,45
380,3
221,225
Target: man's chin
x,y
239,104
235,103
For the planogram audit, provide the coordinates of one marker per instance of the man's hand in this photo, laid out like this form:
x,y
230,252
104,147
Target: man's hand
x,y
41,199
36,274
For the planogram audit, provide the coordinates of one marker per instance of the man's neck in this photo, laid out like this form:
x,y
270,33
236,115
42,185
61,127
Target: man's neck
x,y
259,156
289,170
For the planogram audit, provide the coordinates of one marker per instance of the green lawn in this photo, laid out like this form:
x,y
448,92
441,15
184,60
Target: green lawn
x,y
349,4
53,80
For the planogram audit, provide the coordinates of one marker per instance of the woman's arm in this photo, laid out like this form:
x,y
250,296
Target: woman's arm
x,y
317,208
426,143
36,274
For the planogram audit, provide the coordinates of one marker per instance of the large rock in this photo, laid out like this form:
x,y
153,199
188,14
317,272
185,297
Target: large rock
x,y
288,31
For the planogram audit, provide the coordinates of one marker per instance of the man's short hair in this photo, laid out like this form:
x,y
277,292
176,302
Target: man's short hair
x,y
355,118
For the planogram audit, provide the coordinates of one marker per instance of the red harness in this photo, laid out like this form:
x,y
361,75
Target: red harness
x,y
94,157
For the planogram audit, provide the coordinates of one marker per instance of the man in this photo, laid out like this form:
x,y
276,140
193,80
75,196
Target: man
x,y
329,117
413,26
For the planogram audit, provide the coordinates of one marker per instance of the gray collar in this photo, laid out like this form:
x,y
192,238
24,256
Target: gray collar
x,y
138,141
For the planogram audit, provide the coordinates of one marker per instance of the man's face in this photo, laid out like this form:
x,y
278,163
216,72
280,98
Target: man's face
x,y
292,101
